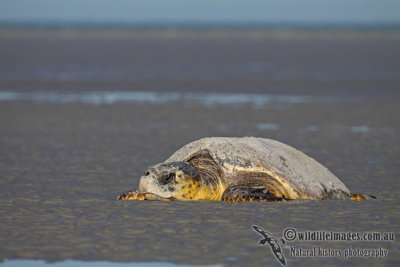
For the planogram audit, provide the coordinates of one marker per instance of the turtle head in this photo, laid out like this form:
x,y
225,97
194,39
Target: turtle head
x,y
170,181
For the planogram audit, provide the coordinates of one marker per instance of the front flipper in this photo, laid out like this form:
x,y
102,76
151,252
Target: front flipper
x,y
132,195
249,194
136,195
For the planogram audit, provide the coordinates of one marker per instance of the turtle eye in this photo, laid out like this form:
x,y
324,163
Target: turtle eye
x,y
168,178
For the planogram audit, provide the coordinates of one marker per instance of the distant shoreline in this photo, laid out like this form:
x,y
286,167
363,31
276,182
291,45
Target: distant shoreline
x,y
199,30
202,26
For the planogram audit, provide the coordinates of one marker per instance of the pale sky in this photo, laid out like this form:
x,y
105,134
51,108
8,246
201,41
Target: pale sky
x,y
202,11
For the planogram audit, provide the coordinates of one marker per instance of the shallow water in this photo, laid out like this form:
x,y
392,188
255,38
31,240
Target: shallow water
x,y
63,163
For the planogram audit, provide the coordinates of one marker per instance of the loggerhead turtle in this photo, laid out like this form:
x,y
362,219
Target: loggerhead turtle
x,y
239,169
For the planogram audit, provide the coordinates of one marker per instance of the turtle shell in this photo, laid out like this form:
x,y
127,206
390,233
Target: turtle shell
x,y
264,162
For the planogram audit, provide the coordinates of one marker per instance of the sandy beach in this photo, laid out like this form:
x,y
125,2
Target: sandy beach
x,y
64,158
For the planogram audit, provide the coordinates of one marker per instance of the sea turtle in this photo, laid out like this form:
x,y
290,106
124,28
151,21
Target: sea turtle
x,y
239,169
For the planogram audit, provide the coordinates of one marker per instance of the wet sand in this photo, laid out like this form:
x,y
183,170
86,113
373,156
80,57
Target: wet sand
x,y
63,164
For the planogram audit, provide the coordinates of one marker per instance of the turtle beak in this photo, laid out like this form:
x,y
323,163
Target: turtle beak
x,y
151,196
151,190
148,190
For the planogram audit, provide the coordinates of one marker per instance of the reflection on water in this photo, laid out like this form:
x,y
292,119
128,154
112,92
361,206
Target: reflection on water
x,y
40,263
207,99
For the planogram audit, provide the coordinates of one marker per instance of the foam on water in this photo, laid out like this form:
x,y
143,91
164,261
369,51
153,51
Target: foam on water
x,y
137,97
